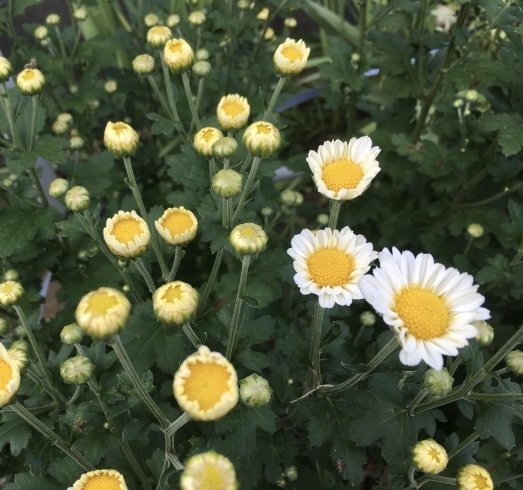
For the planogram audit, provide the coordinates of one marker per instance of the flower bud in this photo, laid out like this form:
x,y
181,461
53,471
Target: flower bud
x,y
280,482
20,358
77,198
110,86
429,456
269,34
80,14
291,473
248,239
471,95
474,477
255,391
514,362
158,36
291,57
178,55
4,326
11,293
127,235
58,187
143,64
290,22
73,89
485,334
52,19
20,345
126,288
30,81
71,334
227,183
368,319
205,139
263,14
438,383
173,20
10,377
225,148
266,211
11,275
202,55
197,18
60,127
291,198
262,139
5,69
93,104
201,69
177,226
20,331
120,139
475,230
151,20
77,370
175,303
243,4
65,117
233,112
76,143
40,33
199,467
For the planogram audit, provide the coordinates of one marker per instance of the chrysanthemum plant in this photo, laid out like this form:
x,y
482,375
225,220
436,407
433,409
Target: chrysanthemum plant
x,y
212,327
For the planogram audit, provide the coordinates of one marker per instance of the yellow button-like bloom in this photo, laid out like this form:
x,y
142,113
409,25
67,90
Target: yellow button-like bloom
x,y
429,456
248,239
291,57
9,377
103,312
177,226
80,14
10,293
158,36
175,303
173,20
52,19
474,477
143,64
5,69
151,20
204,139
127,235
208,471
197,18
262,139
206,385
110,86
233,112
263,14
30,81
77,198
178,55
100,480
120,139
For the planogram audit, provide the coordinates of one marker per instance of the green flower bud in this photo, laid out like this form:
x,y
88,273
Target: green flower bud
x,y
225,148
20,345
151,20
255,391
202,55
439,383
291,473
11,293
58,187
243,4
201,69
266,211
485,334
143,64
111,86
20,357
20,331
291,198
80,14
262,139
77,370
514,362
323,219
77,198
40,33
76,143
475,230
71,334
197,18
248,239
471,95
173,20
227,183
4,326
93,104
368,319
52,19
11,275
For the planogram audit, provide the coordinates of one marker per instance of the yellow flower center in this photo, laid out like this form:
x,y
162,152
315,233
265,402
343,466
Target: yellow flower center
x,y
248,232
101,303
125,230
158,31
435,454
331,268
233,109
175,47
212,478
423,313
263,128
103,482
291,53
119,127
481,482
342,174
28,75
207,383
208,135
177,223
6,375
6,288
172,293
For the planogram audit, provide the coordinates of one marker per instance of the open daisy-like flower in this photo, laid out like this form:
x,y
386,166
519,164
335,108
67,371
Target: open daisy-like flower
x,y
100,480
9,376
127,235
233,112
206,385
330,264
474,477
208,471
177,226
343,171
175,303
429,307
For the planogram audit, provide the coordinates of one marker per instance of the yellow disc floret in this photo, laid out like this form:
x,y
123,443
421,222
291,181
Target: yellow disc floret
x,y
177,223
100,480
103,482
291,54
124,231
6,375
233,109
101,303
342,175
331,268
207,383
177,226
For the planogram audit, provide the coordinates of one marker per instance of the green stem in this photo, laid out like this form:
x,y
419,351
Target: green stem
x,y
335,207
121,353
492,397
246,189
76,41
315,343
76,394
274,98
177,424
235,322
32,134
60,42
188,93
39,188
138,262
53,392
192,335
229,212
159,96
417,400
8,109
176,263
55,439
495,197
121,16
169,90
469,440
199,94
212,168
438,479
212,279
454,366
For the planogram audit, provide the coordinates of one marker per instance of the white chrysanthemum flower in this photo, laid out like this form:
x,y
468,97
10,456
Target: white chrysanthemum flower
x,y
175,303
30,81
330,264
291,57
9,376
178,55
126,234
233,112
343,171
474,477
429,307
100,480
158,36
429,456
177,226
208,471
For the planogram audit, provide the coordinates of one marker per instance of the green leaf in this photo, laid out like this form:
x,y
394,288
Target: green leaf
x,y
26,481
15,432
94,445
510,131
161,125
255,361
71,228
65,470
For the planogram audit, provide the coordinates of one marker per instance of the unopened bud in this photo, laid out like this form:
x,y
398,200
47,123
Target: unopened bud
x,y
202,55
471,95
40,33
52,19
201,69
514,362
110,86
76,143
266,211
438,383
151,20
197,18
143,64
255,391
77,370
475,230
485,334
21,345
20,357
77,198
173,20
20,332
80,14
323,219
58,187
291,473
248,239
368,319
11,293
11,275
291,198
227,183
71,334
3,326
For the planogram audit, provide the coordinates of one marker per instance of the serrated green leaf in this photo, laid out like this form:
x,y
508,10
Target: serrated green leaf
x,y
15,432
26,481
94,445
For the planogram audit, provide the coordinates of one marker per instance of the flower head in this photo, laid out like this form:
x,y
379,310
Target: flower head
x,y
177,226
269,34
10,293
438,383
290,22
291,198
60,127
30,81
77,370
291,57
227,183
485,334
475,230
151,20
5,69
120,139
262,139
248,239
77,198
143,64
71,334
76,143
263,14
206,385
330,264
225,148
204,139
202,69
474,477
429,456
178,55
9,377
343,171
103,312
197,18
368,319
100,480
11,275
514,362
52,19
173,20
202,54
429,307
40,32
175,303
111,86
58,187
80,14
20,358
127,235
158,36
208,471
65,117
233,112
255,391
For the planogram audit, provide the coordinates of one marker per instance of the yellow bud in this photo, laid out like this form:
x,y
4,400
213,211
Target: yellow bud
x,y
262,139
175,303
291,57
474,477
233,112
127,235
248,239
199,468
429,456
120,139
205,139
178,55
10,379
30,81
52,19
263,14
158,36
110,86
11,293
197,18
80,14
151,20
5,69
173,20
40,32
290,22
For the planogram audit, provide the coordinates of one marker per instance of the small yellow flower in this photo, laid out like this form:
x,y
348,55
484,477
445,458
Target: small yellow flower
x,y
206,385
233,112
77,370
58,187
290,22
143,64
5,69
291,57
30,81
255,391
100,480
208,471
475,230
80,14
197,18
178,55
474,477
264,14
248,239
173,20
177,226
269,34
71,334
204,139
77,198
120,139
227,183
40,32
262,139
111,86
103,312
158,36
52,19
151,20
175,303
127,235
514,362
485,334
429,456
10,293
9,377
